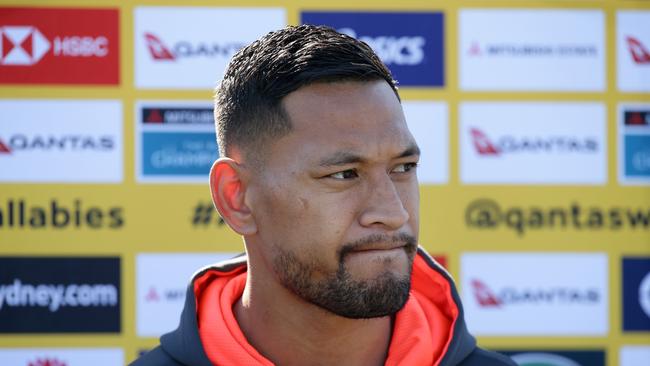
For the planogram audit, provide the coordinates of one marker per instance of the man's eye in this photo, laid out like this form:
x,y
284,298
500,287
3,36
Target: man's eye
x,y
406,167
345,174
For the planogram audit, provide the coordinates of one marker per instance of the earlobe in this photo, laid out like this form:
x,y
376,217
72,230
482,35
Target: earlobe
x,y
228,193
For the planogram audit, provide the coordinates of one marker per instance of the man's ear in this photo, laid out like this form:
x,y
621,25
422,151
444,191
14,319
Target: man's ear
x,y
228,192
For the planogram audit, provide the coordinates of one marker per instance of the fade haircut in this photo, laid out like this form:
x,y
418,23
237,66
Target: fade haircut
x,y
248,102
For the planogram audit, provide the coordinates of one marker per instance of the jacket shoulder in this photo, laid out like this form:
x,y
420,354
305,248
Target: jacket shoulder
x,y
155,357
482,357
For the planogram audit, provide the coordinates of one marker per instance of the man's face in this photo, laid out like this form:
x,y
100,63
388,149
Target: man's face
x,y
336,202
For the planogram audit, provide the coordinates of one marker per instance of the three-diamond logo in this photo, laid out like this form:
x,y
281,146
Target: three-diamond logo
x,y
4,149
22,45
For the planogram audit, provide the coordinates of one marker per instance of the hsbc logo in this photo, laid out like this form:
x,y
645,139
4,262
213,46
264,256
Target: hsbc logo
x,y
72,46
159,51
26,45
484,146
23,142
22,45
506,296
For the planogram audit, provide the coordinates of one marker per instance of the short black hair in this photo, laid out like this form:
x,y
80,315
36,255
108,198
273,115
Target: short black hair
x,y
248,109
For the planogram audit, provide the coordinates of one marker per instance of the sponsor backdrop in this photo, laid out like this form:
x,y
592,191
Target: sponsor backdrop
x,y
533,118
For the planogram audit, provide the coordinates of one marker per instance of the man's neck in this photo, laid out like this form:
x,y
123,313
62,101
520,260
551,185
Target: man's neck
x,y
290,331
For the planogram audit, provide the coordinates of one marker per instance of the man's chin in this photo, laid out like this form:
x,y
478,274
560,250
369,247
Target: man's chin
x,y
383,296
366,285
372,264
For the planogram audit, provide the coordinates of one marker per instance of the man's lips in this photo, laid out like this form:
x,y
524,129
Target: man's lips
x,y
379,243
378,247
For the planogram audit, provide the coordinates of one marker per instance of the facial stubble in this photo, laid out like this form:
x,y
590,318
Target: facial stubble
x,y
339,292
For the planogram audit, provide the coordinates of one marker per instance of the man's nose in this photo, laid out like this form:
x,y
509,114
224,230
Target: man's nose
x,y
383,206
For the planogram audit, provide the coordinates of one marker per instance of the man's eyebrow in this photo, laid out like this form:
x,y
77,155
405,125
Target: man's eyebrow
x,y
412,150
341,158
346,157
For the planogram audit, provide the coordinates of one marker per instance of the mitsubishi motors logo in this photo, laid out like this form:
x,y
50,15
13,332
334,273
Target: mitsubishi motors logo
x,y
47,362
22,45
475,49
4,149
640,54
152,295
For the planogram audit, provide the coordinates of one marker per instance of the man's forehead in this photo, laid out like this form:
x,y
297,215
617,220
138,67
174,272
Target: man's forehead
x,y
348,118
344,105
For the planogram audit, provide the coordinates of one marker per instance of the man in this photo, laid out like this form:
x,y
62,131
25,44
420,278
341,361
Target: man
x,y
317,173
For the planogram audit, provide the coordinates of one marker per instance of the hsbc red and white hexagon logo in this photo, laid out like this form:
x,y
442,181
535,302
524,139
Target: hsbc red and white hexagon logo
x,y
59,46
22,45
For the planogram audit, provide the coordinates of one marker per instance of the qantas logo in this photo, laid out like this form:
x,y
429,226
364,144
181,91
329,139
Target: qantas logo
x,y
26,45
510,144
157,48
21,142
159,51
482,143
484,295
640,54
47,362
486,298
